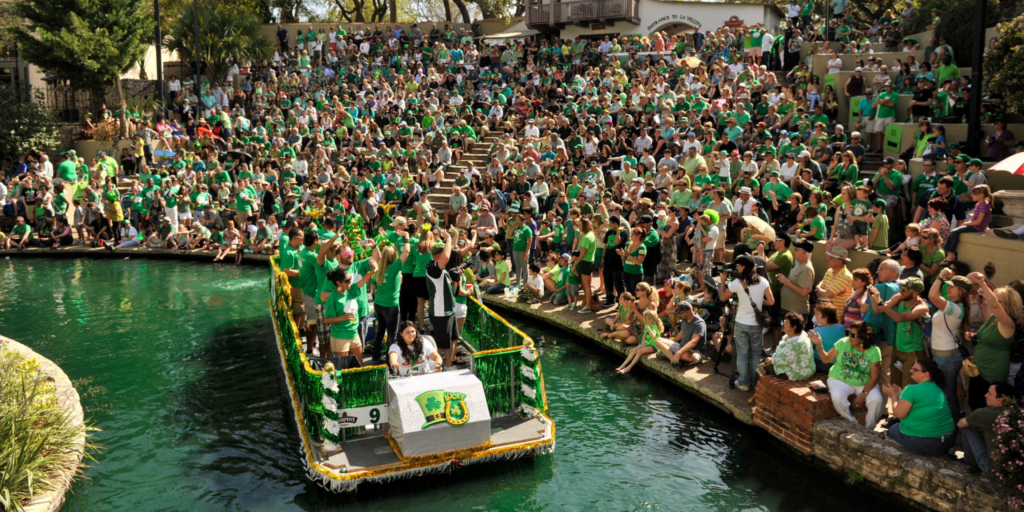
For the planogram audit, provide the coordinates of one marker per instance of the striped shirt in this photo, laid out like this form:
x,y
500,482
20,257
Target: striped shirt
x,y
839,283
440,291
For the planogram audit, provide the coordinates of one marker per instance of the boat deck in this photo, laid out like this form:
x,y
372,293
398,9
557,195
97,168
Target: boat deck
x,y
372,451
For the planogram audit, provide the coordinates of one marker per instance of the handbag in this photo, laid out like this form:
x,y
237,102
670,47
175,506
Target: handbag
x,y
764,320
970,367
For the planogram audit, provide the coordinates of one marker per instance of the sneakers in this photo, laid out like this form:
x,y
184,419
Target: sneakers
x,y
742,387
571,307
1006,233
584,310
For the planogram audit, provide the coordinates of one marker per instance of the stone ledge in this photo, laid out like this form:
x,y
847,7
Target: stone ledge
x,y
67,396
699,380
936,483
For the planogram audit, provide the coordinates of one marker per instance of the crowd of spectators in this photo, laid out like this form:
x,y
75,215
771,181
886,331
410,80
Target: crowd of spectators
x,y
681,180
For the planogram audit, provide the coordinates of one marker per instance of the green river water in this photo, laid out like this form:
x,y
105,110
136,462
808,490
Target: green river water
x,y
177,365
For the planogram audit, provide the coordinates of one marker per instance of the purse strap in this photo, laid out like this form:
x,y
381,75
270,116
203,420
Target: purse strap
x,y
750,297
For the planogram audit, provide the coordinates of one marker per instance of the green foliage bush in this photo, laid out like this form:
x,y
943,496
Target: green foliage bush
x,y
39,440
1002,71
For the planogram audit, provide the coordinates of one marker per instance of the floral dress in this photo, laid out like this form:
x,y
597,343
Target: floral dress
x,y
943,224
794,357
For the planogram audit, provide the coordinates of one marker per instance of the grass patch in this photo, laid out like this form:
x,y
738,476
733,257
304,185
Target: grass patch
x,y
853,476
39,441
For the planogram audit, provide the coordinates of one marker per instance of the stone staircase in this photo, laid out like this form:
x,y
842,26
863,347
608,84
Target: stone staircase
x,y
477,154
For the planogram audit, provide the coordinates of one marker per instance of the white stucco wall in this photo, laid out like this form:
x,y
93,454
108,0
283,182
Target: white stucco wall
x,y
656,14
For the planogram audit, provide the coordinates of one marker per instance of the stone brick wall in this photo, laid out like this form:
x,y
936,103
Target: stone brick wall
x,y
788,410
933,482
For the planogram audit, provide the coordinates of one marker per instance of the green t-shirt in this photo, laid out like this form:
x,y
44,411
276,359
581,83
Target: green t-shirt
x,y
818,222
290,261
909,336
852,367
881,223
521,238
885,111
589,242
929,416
357,270
414,251
930,259
22,230
307,272
67,171
897,180
632,268
785,262
340,305
502,268
860,207
420,268
322,283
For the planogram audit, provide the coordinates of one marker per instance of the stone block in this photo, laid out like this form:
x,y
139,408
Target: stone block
x,y
983,492
828,431
951,479
920,467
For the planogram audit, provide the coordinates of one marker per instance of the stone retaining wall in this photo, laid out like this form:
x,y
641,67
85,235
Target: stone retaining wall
x,y
67,396
933,482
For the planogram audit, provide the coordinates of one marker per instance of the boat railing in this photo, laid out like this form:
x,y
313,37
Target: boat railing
x,y
504,359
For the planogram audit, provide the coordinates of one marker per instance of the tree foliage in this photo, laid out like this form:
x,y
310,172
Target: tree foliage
x,y
1002,71
960,35
226,33
25,125
90,43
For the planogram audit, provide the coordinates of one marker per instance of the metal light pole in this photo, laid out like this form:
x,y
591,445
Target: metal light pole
x,y
159,58
195,41
974,107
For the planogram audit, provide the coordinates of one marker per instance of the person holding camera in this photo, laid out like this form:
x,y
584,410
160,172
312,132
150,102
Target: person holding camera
x,y
753,294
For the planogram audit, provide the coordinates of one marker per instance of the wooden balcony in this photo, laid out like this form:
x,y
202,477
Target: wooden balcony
x,y
581,12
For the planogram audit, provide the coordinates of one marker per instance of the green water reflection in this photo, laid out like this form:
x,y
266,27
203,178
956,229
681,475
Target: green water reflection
x,y
178,368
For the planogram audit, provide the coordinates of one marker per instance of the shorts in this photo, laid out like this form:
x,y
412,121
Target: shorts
x,y
881,122
756,51
586,267
243,217
573,289
705,267
859,228
298,307
323,330
461,310
446,330
419,287
720,241
339,345
185,215
310,307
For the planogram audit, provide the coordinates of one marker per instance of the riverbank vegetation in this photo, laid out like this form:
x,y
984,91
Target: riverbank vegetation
x,y
40,444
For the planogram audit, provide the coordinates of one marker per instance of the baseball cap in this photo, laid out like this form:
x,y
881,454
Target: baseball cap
x,y
911,283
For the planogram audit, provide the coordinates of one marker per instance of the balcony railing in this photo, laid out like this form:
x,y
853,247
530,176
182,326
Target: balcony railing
x,y
582,10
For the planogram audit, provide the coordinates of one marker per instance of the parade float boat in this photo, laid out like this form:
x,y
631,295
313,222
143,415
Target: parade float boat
x,y
363,425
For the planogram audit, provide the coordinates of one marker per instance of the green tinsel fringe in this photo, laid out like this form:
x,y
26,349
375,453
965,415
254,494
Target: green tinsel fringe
x,y
495,374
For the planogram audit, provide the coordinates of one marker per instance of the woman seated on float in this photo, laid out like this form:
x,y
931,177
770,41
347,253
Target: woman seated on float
x,y
926,426
412,350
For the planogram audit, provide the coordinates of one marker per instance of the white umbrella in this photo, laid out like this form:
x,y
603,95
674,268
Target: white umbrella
x,y
1012,164
760,225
